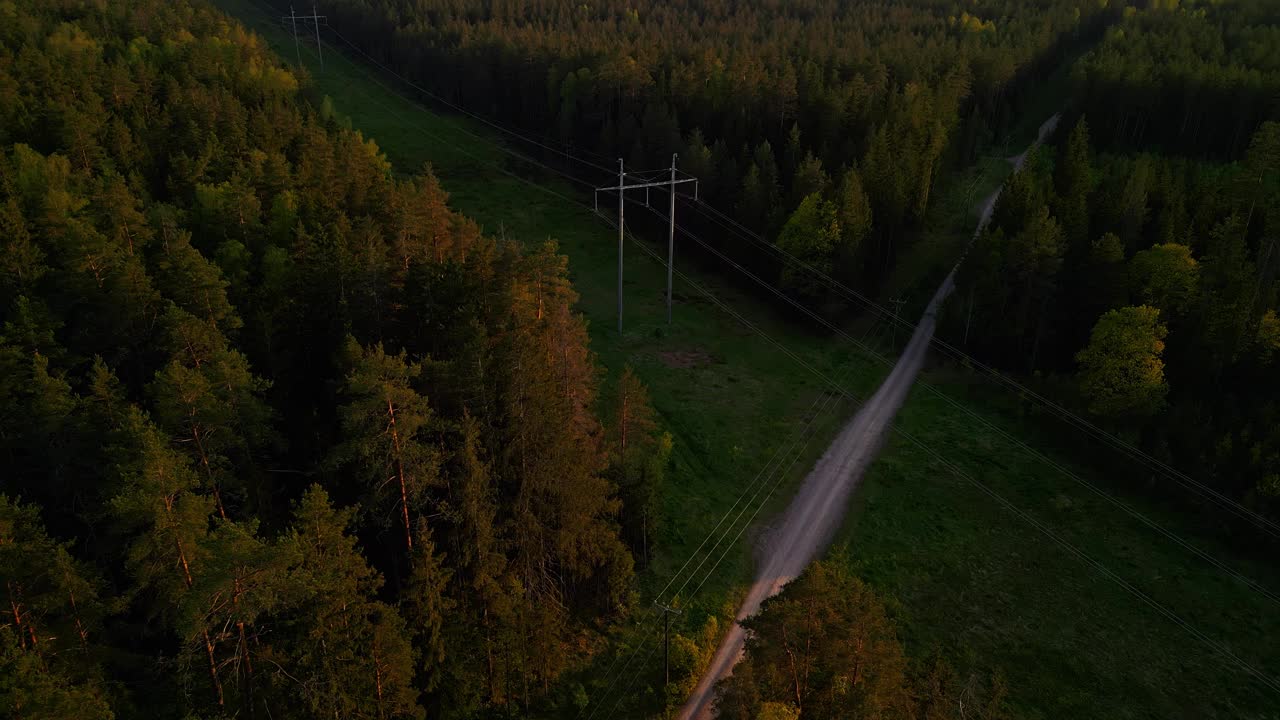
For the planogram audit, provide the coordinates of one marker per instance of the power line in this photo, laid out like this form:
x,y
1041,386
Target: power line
x,y
771,480
316,20
1065,544
758,506
1267,525
1116,502
570,200
621,188
1146,599
764,478
464,111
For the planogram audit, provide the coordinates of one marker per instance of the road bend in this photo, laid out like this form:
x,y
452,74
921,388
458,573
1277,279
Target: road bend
x,y
814,515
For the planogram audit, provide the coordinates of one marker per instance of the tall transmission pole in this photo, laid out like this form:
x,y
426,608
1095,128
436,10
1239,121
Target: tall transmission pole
x,y
621,188
622,210
315,18
319,50
296,48
667,612
671,233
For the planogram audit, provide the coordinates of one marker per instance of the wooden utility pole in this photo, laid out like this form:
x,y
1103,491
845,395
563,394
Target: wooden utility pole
x,y
622,209
667,612
671,233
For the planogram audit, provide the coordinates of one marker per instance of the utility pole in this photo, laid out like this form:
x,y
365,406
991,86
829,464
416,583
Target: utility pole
x,y
621,189
671,233
667,612
622,209
897,305
319,50
296,48
314,17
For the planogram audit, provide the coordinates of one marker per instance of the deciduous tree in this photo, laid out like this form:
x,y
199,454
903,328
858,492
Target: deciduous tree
x,y
1121,370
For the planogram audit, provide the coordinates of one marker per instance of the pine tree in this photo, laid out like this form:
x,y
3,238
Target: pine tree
x,y
331,630
52,599
638,459
1073,182
209,400
238,584
809,178
384,423
189,280
853,213
21,258
167,526
476,546
425,604
30,688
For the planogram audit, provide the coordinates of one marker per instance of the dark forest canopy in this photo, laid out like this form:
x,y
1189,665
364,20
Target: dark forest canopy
x,y
281,435
1191,77
767,103
1153,281
825,125
1145,278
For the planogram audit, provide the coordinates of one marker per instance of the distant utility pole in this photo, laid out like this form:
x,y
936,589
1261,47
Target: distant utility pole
x,y
314,18
671,233
621,189
667,612
897,306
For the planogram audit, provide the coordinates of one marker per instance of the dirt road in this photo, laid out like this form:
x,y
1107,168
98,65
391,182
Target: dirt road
x,y
819,507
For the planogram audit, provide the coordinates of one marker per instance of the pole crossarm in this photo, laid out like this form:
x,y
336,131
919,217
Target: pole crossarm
x,y
661,183
292,18
317,19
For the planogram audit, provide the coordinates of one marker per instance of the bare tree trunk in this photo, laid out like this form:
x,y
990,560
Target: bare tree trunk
x,y
795,673
213,667
208,470
488,648
186,576
16,607
246,663
404,493
377,678
80,629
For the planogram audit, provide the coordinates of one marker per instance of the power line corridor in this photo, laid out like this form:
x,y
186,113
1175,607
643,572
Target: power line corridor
x,y
809,522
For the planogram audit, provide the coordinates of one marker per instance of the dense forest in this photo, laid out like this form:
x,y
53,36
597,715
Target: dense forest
x,y
281,435
860,105
825,126
1136,261
1191,78
284,436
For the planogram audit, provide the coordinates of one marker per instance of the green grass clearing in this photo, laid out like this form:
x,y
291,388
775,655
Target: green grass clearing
x,y
985,586
964,575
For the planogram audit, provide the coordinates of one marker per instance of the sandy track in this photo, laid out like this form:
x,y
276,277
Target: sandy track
x,y
819,507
